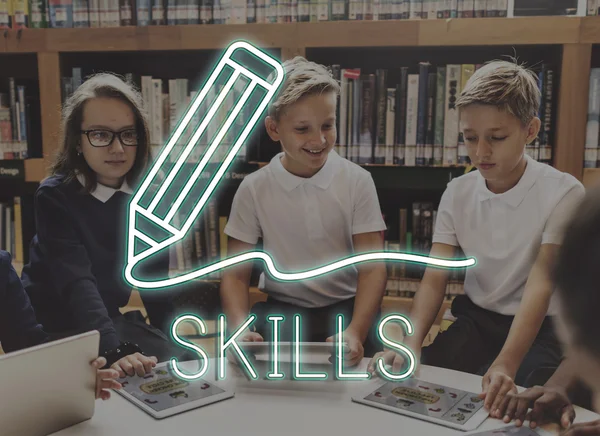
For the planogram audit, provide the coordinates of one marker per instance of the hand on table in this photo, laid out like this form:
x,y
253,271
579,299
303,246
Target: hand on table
x,y
354,347
548,405
394,359
246,337
496,384
133,364
105,379
585,429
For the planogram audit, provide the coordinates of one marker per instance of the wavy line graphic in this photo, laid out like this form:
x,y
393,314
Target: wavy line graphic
x,y
154,214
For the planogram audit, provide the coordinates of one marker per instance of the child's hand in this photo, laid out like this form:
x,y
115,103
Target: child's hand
x,y
393,359
354,347
105,379
496,384
547,404
134,364
246,337
586,429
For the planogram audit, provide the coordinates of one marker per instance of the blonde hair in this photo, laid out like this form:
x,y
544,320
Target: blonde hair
x,y
68,161
302,78
507,85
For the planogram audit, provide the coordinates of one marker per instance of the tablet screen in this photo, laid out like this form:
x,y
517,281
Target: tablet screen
x,y
428,399
162,389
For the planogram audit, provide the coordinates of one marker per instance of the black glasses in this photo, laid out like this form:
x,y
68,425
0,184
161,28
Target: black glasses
x,y
103,138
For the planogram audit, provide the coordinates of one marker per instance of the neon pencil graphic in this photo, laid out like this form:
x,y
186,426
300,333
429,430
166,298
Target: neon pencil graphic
x,y
174,193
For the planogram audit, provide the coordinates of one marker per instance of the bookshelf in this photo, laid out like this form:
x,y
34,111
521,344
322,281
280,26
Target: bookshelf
x,y
568,42
573,38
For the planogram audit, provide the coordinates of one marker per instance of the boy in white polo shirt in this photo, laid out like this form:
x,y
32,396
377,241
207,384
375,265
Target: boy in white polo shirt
x,y
509,215
310,207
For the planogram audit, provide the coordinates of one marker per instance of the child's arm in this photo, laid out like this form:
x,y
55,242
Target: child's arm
x,y
372,279
18,325
498,380
243,231
533,307
235,285
548,403
426,305
430,295
69,266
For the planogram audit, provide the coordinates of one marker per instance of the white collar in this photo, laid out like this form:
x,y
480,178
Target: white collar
x,y
517,193
103,192
322,179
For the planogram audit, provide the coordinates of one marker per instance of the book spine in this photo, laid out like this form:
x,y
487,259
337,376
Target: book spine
x,y
415,9
422,114
304,11
438,137
412,109
429,132
367,127
389,125
94,13
381,117
546,146
20,14
22,121
143,11
5,16
467,71
593,121
343,109
401,102
14,115
451,115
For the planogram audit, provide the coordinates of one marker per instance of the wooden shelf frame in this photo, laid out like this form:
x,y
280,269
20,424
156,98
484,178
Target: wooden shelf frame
x,y
576,35
389,33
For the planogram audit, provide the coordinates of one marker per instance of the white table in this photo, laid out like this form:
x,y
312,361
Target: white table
x,y
274,408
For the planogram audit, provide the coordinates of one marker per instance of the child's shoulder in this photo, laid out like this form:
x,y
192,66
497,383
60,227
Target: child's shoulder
x,y
464,184
56,185
351,168
551,178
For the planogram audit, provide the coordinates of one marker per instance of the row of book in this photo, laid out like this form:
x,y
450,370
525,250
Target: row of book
x,y
415,122
592,138
114,13
13,122
410,123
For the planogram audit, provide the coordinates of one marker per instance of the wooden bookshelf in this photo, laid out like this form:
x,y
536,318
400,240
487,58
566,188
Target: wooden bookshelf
x,y
452,32
591,177
574,34
35,170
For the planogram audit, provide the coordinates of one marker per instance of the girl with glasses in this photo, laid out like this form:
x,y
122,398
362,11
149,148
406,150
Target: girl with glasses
x,y
75,275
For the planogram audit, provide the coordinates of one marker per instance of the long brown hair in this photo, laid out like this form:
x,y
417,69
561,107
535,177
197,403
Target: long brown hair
x,y
68,161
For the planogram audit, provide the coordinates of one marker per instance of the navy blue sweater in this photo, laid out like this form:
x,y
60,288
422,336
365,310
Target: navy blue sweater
x,y
75,274
18,325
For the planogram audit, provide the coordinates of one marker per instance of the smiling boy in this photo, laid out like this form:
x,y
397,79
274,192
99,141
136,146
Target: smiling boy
x,y
509,215
310,207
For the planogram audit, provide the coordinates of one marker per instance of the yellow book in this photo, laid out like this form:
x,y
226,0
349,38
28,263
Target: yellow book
x,y
18,255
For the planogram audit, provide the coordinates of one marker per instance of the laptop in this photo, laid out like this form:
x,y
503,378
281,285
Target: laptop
x,y
49,387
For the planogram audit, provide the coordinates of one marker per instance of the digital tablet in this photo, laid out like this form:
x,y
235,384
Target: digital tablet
x,y
419,399
161,393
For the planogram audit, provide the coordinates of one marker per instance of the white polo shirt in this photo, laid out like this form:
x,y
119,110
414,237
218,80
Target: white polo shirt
x,y
504,232
306,223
